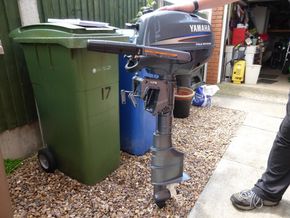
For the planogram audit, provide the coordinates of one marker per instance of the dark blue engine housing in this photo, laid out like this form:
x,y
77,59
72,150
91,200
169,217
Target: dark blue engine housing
x,y
178,31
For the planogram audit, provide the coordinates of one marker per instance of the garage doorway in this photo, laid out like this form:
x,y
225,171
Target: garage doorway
x,y
263,28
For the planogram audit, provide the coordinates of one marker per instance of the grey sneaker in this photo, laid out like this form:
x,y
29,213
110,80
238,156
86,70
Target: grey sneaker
x,y
248,200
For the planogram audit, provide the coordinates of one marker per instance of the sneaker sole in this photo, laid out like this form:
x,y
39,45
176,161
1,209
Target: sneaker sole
x,y
243,207
270,203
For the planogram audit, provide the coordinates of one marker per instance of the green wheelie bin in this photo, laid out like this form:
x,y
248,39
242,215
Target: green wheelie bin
x,y
76,93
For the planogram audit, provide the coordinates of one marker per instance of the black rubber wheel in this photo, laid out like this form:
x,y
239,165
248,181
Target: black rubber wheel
x,y
160,204
46,160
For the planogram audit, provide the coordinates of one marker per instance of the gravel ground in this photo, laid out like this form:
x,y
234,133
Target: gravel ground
x,y
127,192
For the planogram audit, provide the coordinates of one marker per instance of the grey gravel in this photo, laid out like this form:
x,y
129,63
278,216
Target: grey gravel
x,y
127,192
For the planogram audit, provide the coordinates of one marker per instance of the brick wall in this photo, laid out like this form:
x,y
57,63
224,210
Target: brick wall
x,y
213,64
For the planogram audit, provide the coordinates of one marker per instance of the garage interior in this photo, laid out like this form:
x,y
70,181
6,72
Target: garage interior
x,y
258,33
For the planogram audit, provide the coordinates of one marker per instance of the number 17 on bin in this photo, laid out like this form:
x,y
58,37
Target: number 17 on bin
x,y
106,92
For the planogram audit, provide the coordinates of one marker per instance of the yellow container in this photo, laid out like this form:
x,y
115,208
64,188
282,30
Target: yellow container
x,y
239,71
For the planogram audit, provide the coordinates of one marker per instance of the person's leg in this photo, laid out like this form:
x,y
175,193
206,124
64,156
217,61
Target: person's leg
x,y
276,179
270,188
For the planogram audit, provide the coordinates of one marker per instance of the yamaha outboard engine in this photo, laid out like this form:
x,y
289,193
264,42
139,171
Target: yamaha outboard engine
x,y
167,43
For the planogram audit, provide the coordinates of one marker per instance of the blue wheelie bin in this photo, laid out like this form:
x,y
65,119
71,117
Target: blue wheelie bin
x,y
136,125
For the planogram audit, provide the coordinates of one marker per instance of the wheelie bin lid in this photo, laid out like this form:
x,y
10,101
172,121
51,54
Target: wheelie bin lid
x,y
67,35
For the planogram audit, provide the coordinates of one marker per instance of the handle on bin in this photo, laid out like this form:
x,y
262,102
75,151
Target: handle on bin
x,y
131,96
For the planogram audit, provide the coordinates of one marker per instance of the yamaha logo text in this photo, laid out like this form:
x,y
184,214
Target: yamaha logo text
x,y
199,28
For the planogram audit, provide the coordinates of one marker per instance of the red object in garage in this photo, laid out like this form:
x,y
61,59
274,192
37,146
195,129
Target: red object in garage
x,y
239,36
264,37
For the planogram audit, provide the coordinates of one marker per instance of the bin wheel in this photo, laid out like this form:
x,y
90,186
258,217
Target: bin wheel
x,y
160,204
46,160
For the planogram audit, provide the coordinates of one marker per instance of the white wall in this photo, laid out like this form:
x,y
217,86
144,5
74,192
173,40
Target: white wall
x,y
28,12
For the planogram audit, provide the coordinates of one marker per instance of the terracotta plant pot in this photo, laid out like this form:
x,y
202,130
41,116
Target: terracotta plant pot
x,y
183,98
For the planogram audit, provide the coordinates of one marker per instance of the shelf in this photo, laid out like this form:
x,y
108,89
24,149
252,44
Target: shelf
x,y
279,30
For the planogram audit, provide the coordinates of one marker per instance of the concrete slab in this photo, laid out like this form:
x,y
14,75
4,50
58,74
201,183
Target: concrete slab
x,y
251,146
277,110
277,93
246,157
263,122
230,177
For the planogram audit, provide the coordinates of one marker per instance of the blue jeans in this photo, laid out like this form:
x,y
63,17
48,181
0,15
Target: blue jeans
x,y
276,178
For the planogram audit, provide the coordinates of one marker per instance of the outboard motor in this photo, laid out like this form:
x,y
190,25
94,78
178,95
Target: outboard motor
x,y
167,43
